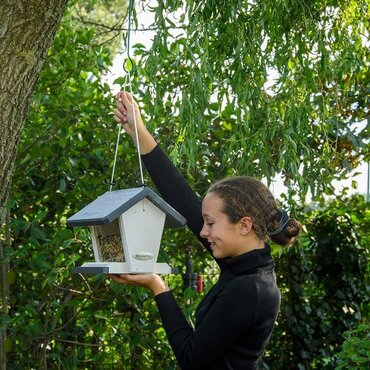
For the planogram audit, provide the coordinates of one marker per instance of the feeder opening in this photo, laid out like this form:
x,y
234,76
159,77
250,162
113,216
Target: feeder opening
x,y
110,245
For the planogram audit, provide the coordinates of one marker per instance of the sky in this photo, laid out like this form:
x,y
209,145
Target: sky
x,y
145,19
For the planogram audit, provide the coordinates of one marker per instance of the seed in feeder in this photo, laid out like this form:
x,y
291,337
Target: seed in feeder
x,y
111,249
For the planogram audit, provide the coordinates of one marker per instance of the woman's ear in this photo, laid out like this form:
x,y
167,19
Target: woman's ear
x,y
245,225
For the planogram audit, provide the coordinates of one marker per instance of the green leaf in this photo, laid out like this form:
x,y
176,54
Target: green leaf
x,y
37,233
290,64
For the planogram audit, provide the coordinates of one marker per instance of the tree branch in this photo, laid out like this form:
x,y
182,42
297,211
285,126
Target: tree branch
x,y
4,268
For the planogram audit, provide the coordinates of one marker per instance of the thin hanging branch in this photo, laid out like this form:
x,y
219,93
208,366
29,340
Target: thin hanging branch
x,y
4,268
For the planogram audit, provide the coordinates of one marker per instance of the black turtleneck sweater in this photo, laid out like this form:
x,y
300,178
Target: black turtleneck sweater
x,y
235,319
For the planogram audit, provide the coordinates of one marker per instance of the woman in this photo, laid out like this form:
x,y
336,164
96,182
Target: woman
x,y
235,319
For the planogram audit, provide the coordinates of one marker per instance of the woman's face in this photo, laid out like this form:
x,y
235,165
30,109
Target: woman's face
x,y
224,237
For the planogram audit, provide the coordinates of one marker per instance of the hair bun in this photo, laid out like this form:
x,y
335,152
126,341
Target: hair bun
x,y
287,234
283,219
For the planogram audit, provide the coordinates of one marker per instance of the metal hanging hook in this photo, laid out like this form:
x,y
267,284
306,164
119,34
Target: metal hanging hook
x,y
132,65
129,83
128,46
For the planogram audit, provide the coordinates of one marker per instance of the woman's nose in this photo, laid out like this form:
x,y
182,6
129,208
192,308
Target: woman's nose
x,y
204,232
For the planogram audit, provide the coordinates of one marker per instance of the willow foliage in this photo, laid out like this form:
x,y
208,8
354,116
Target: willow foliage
x,y
261,87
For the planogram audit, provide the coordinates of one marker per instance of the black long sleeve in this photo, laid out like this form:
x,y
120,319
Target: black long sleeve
x,y
221,331
175,189
235,319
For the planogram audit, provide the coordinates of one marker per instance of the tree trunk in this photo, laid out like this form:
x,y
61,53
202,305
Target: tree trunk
x,y
27,28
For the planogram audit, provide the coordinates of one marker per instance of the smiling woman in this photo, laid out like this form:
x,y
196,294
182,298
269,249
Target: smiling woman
x,y
235,319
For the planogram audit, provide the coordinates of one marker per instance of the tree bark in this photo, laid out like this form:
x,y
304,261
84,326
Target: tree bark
x,y
27,29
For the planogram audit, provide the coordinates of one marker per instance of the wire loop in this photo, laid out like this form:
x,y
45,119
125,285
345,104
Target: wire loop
x,y
132,64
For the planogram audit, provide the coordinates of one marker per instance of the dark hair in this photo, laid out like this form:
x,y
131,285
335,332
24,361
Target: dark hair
x,y
245,196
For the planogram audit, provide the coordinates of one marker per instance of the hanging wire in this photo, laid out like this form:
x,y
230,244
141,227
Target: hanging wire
x,y
129,83
111,183
136,135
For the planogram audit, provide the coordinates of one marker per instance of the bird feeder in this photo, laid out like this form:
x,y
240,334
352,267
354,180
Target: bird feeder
x,y
126,229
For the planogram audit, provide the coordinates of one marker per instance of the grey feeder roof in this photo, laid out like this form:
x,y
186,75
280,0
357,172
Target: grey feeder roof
x,y
112,204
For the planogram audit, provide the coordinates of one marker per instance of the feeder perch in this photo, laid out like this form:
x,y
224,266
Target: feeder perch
x,y
126,229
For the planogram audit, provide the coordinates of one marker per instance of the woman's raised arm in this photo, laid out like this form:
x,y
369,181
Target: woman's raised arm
x,y
173,187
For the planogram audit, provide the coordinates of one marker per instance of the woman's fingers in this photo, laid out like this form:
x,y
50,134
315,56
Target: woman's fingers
x,y
122,279
126,99
124,112
143,280
120,116
121,106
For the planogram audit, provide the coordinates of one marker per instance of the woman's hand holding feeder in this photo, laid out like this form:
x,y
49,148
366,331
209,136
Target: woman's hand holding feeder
x,y
150,281
127,113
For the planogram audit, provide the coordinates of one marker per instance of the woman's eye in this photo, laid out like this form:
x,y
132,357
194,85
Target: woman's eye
x,y
210,223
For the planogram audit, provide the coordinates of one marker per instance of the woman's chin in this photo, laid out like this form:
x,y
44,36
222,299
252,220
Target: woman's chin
x,y
216,254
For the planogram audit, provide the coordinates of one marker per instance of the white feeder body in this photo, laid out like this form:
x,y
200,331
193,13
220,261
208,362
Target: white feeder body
x,y
126,228
142,227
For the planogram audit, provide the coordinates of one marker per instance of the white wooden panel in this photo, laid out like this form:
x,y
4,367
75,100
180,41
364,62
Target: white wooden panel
x,y
141,231
95,243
